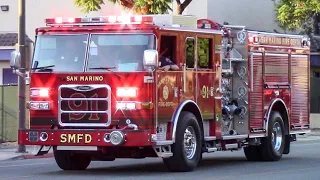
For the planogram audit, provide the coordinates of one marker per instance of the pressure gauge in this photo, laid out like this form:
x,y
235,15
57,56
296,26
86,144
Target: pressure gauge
x,y
242,91
242,71
243,110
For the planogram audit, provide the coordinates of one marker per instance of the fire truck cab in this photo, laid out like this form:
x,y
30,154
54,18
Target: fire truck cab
x,y
167,86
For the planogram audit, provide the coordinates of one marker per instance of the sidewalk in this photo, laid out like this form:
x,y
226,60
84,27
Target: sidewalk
x,y
314,135
8,150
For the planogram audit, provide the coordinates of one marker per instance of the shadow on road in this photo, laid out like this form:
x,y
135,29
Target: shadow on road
x,y
154,168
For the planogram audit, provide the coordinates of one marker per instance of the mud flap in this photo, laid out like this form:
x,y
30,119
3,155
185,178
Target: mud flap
x,y
287,144
43,151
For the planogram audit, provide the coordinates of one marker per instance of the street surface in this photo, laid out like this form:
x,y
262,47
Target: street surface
x,y
302,163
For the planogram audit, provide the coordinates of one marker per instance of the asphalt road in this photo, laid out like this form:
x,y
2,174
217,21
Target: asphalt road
x,y
302,163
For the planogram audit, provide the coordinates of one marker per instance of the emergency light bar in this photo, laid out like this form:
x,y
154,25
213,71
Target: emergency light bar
x,y
157,19
138,19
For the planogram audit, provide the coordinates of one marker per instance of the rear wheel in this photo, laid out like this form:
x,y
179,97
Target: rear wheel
x,y
187,147
68,161
272,146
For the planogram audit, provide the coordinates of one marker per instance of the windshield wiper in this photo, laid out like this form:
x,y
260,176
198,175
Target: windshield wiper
x,y
103,68
44,68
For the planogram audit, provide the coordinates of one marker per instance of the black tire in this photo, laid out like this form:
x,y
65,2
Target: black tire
x,y
68,161
268,152
252,153
179,162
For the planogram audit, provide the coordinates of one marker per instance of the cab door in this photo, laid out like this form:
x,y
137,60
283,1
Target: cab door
x,y
188,77
205,76
168,85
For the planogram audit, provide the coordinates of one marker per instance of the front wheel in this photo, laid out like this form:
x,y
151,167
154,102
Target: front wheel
x,y
187,147
68,161
272,146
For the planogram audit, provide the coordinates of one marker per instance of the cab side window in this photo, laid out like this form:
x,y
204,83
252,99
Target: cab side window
x,y
204,53
190,55
168,47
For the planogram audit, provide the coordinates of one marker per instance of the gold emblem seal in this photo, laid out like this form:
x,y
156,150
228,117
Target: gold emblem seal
x,y
165,92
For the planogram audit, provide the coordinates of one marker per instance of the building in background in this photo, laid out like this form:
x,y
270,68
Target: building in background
x,y
7,45
258,15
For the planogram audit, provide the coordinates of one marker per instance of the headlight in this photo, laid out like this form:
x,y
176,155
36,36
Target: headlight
x,y
39,92
127,92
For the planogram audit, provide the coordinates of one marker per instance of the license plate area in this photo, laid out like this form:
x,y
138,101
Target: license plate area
x,y
77,148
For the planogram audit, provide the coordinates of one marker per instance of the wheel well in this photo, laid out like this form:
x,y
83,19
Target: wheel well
x,y
191,107
281,108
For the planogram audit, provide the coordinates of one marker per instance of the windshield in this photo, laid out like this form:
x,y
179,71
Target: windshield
x,y
119,52
60,53
107,52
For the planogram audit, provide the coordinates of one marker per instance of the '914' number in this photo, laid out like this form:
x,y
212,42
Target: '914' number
x,y
83,105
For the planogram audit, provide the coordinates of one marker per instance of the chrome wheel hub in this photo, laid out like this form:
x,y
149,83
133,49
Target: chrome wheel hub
x,y
276,136
190,143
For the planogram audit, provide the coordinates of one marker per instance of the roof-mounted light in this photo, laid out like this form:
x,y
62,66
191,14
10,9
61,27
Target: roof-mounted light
x,y
138,19
253,39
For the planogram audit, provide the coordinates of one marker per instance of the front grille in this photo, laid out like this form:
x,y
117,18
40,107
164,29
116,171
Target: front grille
x,y
85,105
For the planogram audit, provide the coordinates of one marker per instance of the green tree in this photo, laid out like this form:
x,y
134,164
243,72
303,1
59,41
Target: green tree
x,y
137,6
299,15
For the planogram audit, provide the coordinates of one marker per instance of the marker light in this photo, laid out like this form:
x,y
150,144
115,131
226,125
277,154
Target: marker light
x,y
71,20
112,19
127,92
39,92
138,18
126,105
39,105
253,39
58,20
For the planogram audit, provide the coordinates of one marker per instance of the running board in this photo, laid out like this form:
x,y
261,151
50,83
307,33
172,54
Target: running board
x,y
231,146
163,151
229,137
161,143
212,149
210,138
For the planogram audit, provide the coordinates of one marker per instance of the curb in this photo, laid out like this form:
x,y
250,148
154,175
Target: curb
x,y
31,156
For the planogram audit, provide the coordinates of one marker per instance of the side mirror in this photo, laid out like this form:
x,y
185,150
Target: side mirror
x,y
150,57
15,60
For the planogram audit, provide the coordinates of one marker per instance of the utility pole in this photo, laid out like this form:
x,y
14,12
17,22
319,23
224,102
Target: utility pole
x,y
22,83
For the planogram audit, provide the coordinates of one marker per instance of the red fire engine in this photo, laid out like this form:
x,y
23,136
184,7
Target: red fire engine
x,y
98,90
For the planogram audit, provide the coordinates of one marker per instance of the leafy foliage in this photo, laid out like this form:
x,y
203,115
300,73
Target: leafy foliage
x,y
190,53
137,6
203,52
298,15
